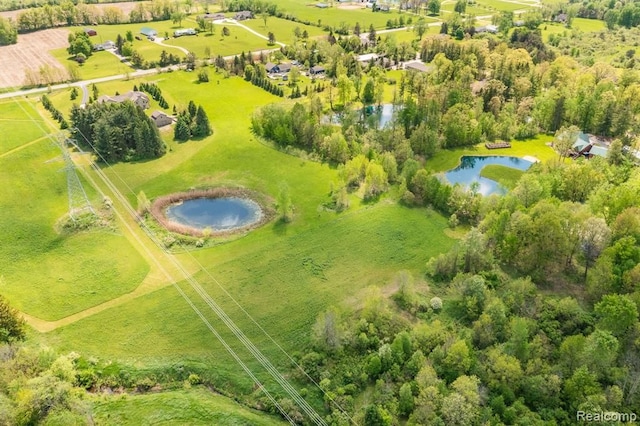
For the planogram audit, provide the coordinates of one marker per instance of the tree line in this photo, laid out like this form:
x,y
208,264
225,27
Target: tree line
x,y
67,14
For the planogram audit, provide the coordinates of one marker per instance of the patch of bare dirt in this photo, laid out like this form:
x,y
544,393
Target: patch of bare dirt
x,y
31,53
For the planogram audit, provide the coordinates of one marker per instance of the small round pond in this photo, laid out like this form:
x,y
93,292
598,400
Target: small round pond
x,y
468,172
217,214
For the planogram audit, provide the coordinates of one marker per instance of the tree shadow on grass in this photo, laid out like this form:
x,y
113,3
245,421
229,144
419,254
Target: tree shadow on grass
x,y
280,227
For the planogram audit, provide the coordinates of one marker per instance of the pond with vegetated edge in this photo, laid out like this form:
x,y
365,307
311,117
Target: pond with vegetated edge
x,y
217,214
468,172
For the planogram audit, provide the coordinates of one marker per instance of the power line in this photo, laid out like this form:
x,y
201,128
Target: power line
x,y
263,360
180,291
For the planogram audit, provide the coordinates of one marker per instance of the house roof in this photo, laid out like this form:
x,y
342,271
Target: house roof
x,y
148,31
600,151
129,96
582,140
269,66
286,67
317,68
416,66
158,114
367,57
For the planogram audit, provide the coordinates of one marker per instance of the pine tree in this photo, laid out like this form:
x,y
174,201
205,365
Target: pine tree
x,y
192,108
182,131
202,127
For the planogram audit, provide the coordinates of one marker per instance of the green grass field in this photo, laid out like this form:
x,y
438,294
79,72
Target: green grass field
x,y
282,28
504,5
188,407
100,64
334,16
16,125
581,24
238,41
505,176
283,275
536,147
43,273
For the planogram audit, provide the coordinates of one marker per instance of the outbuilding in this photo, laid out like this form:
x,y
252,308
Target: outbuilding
x,y
90,32
316,71
148,32
161,119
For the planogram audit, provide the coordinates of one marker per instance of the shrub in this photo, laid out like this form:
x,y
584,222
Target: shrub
x,y
436,303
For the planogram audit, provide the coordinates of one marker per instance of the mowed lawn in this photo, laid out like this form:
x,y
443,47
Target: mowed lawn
x,y
283,29
43,273
16,125
305,10
239,40
537,147
99,64
283,274
188,407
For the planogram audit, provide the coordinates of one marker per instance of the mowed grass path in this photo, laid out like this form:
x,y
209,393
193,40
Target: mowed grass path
x,y
187,407
42,273
283,274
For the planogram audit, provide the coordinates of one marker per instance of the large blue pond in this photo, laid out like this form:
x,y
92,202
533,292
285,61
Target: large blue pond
x,y
219,214
469,169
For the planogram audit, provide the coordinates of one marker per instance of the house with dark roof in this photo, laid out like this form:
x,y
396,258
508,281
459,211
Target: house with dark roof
x,y
243,15
271,68
284,68
139,98
316,71
90,32
561,17
161,119
213,16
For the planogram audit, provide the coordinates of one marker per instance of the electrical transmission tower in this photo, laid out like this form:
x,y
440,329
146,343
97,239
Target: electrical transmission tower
x,y
78,200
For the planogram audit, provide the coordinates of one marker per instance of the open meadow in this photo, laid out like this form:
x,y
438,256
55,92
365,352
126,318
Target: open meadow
x,y
191,406
44,273
283,274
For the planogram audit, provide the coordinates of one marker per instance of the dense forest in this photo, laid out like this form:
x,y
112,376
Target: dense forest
x,y
116,131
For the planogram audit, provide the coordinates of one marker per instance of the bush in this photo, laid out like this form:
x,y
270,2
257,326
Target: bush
x,y
436,303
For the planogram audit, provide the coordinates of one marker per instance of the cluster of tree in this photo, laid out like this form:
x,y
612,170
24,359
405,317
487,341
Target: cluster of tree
x,y
55,113
80,46
167,59
257,75
67,13
116,131
8,31
192,122
154,91
501,352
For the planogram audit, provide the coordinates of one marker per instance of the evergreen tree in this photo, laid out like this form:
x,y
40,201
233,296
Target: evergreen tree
x,y
192,108
182,131
202,127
